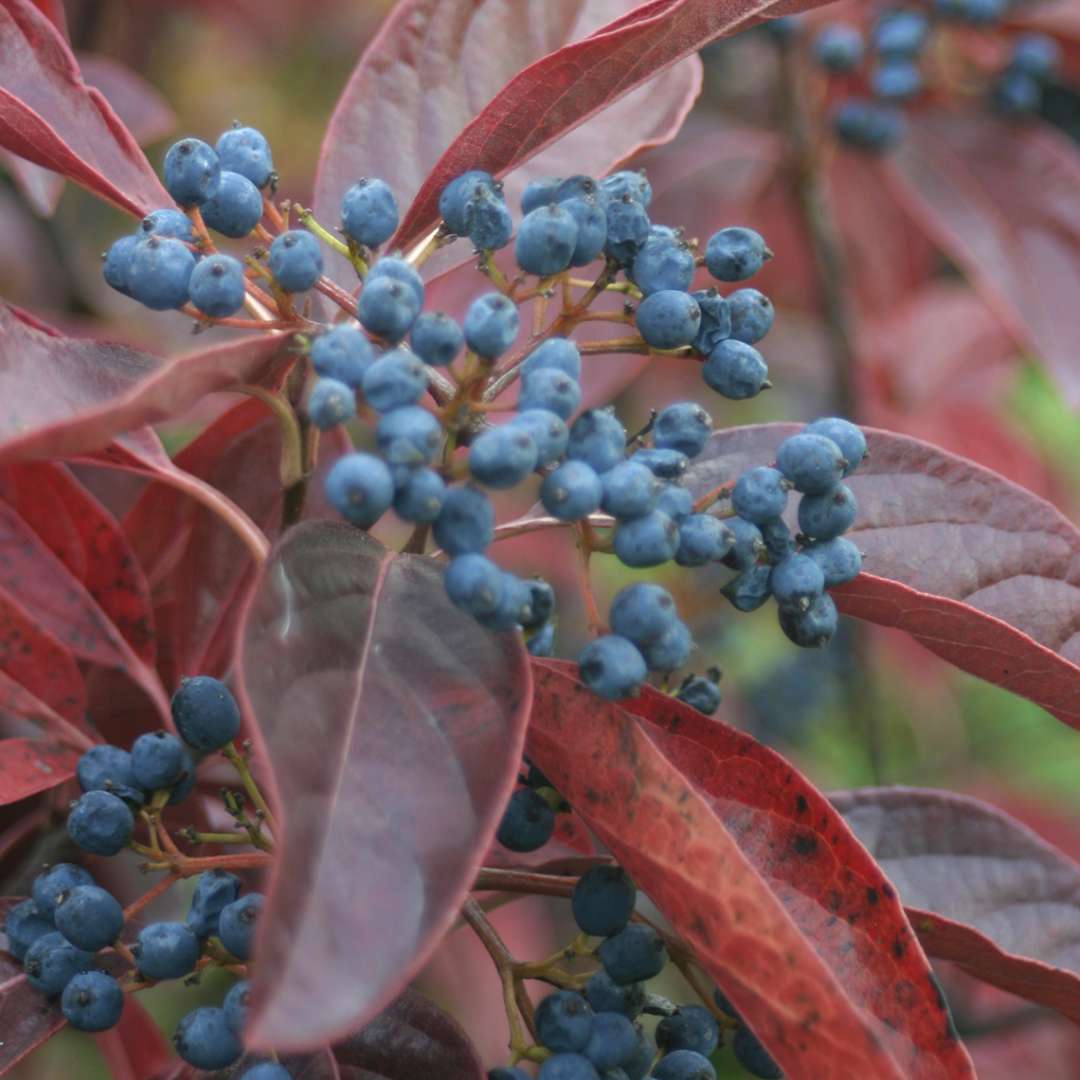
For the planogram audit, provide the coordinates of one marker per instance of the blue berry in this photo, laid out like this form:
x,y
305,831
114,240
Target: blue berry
x,y
236,1005
116,263
502,457
466,523
796,582
630,490
235,208
760,494
684,1065
295,260
900,32
408,436
551,389
387,307
100,823
612,667
612,1040
330,403
735,370
474,584
715,320
627,229
685,426
840,560
236,924
567,1067
436,338
580,186
675,501
838,47
527,823
343,353
982,12
23,925
691,1027
649,540
606,995
244,150
563,1021
638,1065
633,185
395,380
216,286
751,315
267,1070
812,628
666,463
867,125
896,79
213,891
390,266
556,352
191,172
491,324
779,543
701,693
753,1057
547,431
598,439
735,253
750,589
702,539
571,491
205,713
360,488
185,784
813,463
603,900
1016,93
159,272
542,642
635,954
204,1039
487,220
168,222
166,950
749,545
455,197
824,517
108,768
662,264
89,917
546,240
539,192
420,496
52,962
846,435
369,213
725,1006
668,319
590,217
1037,55
671,650
642,612
92,1001
541,603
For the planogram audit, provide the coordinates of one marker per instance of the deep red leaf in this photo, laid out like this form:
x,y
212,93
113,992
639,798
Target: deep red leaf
x,y
135,1048
999,199
140,106
411,720
756,871
981,889
978,570
28,766
49,116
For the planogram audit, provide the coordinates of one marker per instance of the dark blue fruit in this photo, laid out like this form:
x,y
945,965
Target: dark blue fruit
x,y
387,307
590,216
547,430
546,240
900,32
612,667
491,324
606,995
838,47
236,924
51,886
205,713
1016,93
627,229
474,584
760,494
369,213
661,264
89,917
779,543
92,1001
597,438
244,150
556,352
191,172
702,539
665,463
670,650
392,267
668,319
330,403
204,1039
684,426
539,192
266,1070
343,353
715,320
749,544
684,1065
627,183
408,436
753,1057
487,220
527,823
867,125
823,517
436,338
571,491
568,1067
295,260
236,1005
466,523
168,222
735,370
642,612
813,463
455,197
108,768
216,286
395,380
812,628
750,589
52,962
420,497
116,263
840,560
551,389
649,540
564,1021
158,760
691,1027
612,1040
360,488
100,823
630,490
603,900
23,925
734,254
1037,55
235,208
635,954
502,457
166,950
796,582
159,272
751,315
214,890
896,79
845,434
675,501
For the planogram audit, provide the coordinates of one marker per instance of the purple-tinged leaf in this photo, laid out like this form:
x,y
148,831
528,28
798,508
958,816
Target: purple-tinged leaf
x,y
981,889
393,726
140,106
28,766
977,569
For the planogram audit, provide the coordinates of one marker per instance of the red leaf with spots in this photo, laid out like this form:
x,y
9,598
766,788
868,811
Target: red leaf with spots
x,y
980,571
28,766
758,873
980,888
413,721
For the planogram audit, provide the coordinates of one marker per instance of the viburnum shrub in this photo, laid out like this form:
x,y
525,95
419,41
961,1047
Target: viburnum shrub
x,y
292,696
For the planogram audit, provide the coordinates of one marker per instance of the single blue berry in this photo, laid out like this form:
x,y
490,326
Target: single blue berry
x,y
419,498
487,220
466,523
514,608
191,172
702,539
846,435
502,457
547,430
580,186
369,213
205,713
642,612
100,823
590,217
216,286
491,324
343,353
671,650
108,768
395,380
896,79
796,582
295,260
244,150
116,263
750,589
603,900
684,426
408,436
236,924
668,319
23,925
388,308
556,352
436,338
664,462
563,1021
360,488
634,185
527,823
630,490
840,560
168,222
539,192
813,463
663,264
760,494
900,33
92,1001
390,266
715,320
551,389
639,1064
824,517
649,540
159,272
568,1067
691,1027
612,667
89,917
673,500
52,962
1016,93
455,197
571,491
735,370
612,1040
542,642
597,438
700,692
838,47
204,1039
1037,55
749,545
606,995
235,208
627,229
330,403
753,1057
546,240
214,890
779,543
166,950
474,584
236,1005
813,627
867,125
635,954
751,315
735,253
684,1065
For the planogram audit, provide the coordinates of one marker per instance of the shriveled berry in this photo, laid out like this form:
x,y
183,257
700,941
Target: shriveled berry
x,y
701,693
487,220
750,589
715,320
214,889
627,229
23,925
626,182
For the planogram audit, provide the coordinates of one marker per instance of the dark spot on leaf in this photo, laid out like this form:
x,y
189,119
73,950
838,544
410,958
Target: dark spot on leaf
x,y
905,993
871,896
899,947
888,891
833,900
801,804
804,844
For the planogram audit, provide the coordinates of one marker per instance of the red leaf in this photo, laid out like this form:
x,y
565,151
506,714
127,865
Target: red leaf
x,y
564,89
383,126
980,571
981,889
49,116
135,1048
757,872
141,108
28,766
413,719
1000,200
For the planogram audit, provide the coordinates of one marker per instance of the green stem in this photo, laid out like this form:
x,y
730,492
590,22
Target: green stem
x,y
307,219
239,763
